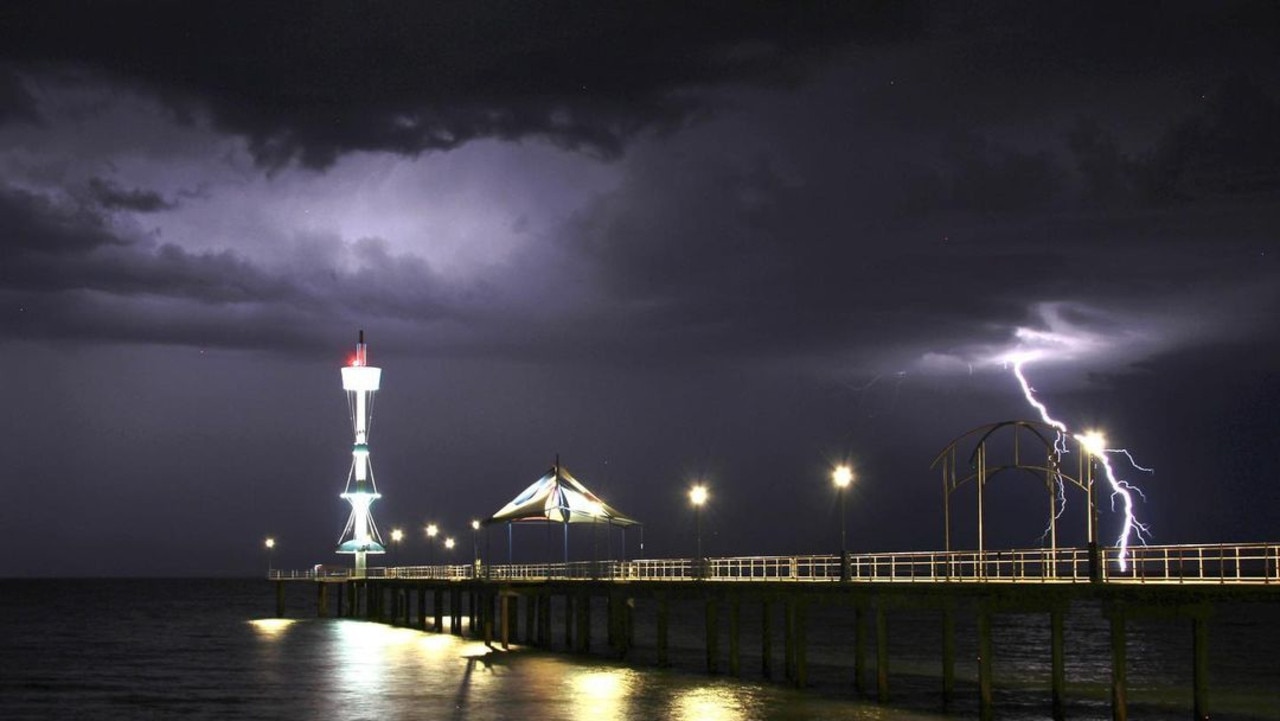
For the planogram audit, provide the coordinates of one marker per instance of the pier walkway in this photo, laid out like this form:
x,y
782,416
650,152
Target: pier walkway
x,y
1193,564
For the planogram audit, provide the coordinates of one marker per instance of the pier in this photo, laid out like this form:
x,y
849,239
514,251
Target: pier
x,y
505,604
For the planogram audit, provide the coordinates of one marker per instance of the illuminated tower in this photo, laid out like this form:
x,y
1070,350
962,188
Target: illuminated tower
x,y
360,537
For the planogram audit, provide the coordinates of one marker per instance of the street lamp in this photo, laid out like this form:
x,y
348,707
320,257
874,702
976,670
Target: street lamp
x,y
270,545
397,536
475,545
698,496
432,530
842,476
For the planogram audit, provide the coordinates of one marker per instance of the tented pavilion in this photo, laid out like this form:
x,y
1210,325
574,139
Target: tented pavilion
x,y
558,497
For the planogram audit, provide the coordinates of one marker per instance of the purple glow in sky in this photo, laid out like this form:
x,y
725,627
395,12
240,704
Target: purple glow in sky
x,y
695,242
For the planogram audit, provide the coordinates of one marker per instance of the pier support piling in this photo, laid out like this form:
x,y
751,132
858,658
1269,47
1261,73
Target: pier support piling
x,y
1119,679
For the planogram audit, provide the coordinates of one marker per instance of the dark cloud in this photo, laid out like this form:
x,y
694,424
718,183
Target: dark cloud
x,y
68,273
112,197
307,82
16,103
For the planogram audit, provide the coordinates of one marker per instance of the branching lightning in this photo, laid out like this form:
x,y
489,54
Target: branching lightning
x,y
1095,445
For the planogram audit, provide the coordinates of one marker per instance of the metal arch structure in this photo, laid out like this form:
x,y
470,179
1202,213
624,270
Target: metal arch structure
x,y
1043,460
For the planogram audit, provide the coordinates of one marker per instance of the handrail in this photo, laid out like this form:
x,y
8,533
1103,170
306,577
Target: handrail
x,y
1220,564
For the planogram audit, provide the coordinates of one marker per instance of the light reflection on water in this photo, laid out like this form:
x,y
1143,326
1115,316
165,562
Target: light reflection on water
x,y
271,627
708,703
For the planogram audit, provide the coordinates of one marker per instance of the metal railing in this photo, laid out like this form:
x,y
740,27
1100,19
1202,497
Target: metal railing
x,y
1245,563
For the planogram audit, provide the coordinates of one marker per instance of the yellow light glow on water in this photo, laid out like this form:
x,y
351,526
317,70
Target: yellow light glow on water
x,y
709,703
272,626
601,695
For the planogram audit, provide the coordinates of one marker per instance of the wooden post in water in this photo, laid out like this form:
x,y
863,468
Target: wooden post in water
x,y
735,630
1119,681
788,640
664,613
986,710
1200,663
544,625
1058,668
882,652
584,622
530,617
802,658
860,646
504,604
766,638
455,611
322,599
422,607
437,608
568,621
948,652
279,599
713,635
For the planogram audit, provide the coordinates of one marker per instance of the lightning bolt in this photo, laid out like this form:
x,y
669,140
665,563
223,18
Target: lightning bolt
x,y
1095,445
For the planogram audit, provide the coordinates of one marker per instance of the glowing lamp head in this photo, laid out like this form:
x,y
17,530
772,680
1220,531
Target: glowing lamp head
x,y
448,543
432,530
270,543
842,476
475,525
397,535
698,495
1093,442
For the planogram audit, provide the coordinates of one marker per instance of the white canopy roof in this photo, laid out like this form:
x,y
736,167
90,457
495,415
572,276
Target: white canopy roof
x,y
558,497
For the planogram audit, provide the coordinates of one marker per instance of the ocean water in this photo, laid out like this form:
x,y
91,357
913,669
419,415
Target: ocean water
x,y
197,649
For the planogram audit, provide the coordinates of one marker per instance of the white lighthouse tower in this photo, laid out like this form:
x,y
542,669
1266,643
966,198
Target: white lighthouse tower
x,y
360,536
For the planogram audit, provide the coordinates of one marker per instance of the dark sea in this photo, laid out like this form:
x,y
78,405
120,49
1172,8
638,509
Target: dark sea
x,y
210,649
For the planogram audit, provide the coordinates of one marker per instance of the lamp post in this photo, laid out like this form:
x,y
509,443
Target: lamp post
x,y
842,476
432,530
698,496
270,545
448,547
397,536
475,547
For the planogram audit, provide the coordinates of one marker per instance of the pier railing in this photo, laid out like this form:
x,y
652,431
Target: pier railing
x,y
1247,563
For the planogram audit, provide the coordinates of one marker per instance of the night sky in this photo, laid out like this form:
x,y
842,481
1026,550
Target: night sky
x,y
735,242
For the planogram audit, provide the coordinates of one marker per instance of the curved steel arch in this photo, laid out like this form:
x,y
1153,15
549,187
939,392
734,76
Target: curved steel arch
x,y
1048,466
